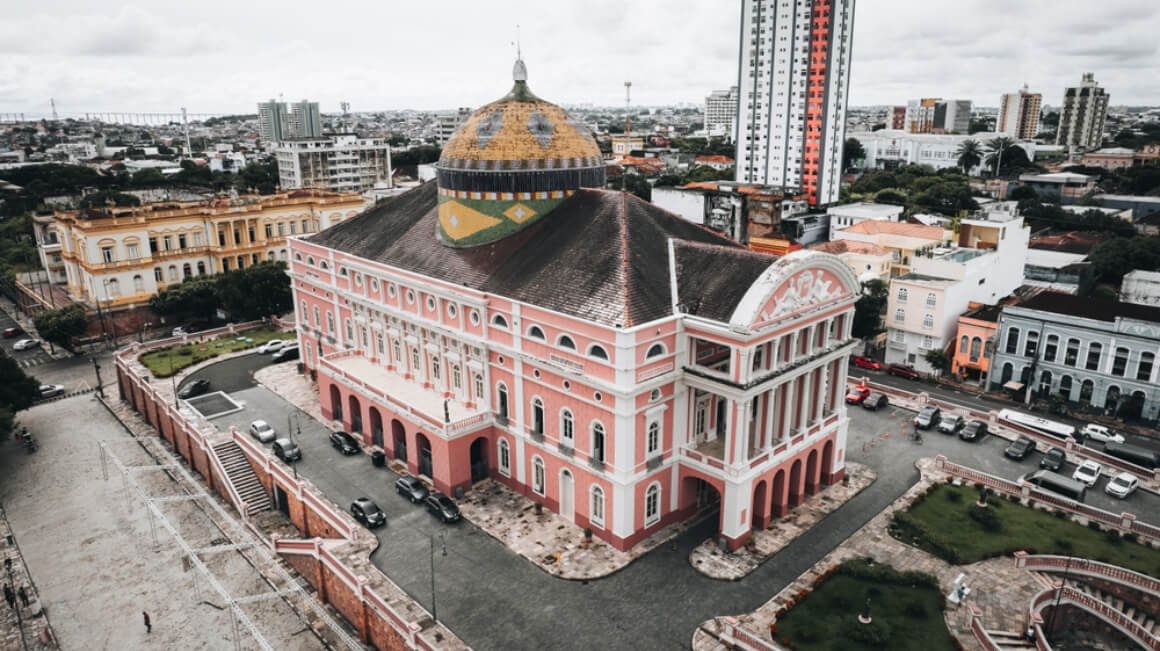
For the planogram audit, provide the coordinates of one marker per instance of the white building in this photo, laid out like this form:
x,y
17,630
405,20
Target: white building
x,y
924,305
795,63
1141,287
1081,120
890,148
340,163
935,115
1019,114
721,111
855,213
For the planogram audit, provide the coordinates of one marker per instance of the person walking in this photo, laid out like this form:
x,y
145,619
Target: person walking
x,y
20,592
148,624
9,595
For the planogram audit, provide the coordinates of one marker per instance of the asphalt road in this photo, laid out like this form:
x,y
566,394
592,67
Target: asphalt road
x,y
494,599
25,358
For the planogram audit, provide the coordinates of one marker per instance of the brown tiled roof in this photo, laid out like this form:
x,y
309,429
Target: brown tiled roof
x,y
837,247
874,227
1090,308
712,279
600,255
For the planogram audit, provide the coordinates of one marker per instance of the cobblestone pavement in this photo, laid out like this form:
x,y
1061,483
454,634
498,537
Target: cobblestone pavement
x,y
23,627
708,559
998,588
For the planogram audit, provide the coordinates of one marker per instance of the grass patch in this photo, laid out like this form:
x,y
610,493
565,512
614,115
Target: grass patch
x,y
906,608
164,362
954,530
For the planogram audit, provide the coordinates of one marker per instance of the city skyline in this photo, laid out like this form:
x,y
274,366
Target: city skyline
x,y
158,58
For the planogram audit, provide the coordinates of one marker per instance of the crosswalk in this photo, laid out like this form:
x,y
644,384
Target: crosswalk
x,y
28,361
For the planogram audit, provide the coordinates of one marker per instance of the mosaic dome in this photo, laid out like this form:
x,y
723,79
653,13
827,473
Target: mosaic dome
x,y
510,163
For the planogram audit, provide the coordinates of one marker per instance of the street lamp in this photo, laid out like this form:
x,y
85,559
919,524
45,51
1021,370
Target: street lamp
x,y
141,332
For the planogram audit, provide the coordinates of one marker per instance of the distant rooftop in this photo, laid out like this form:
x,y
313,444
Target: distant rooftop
x,y
1053,259
838,247
1057,177
867,210
1087,307
923,279
872,227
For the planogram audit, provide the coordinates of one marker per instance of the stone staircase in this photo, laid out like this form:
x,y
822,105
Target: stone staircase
x,y
1146,619
242,476
1008,641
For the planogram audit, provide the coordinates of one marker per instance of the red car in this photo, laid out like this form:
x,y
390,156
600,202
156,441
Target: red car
x,y
857,394
868,362
901,370
12,332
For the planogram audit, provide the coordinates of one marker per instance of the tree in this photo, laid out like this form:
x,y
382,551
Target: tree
x,y
148,177
970,155
868,309
1021,193
195,296
998,149
853,151
638,185
1113,258
705,173
257,291
893,197
938,359
60,326
259,176
17,390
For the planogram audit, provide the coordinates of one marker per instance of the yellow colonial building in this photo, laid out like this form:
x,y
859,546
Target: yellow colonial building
x,y
123,256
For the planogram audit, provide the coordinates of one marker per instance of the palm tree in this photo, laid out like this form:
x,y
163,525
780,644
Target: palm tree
x,y
970,155
998,149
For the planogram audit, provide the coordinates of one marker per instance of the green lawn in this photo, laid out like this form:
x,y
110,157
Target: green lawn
x,y
906,609
164,362
941,523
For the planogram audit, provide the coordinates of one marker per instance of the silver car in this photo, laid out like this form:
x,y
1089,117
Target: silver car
x,y
262,431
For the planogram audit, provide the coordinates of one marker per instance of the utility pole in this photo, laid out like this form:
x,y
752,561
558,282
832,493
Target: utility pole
x,y
185,121
627,131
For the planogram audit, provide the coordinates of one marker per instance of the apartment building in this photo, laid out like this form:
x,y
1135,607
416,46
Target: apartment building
x,y
1019,114
338,163
720,112
1082,117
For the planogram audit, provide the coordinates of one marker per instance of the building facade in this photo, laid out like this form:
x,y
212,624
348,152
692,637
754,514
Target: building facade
x,y
975,337
935,115
721,111
273,121
1089,351
887,149
304,120
123,256
1019,114
1082,117
793,76
338,163
847,215
896,118
473,332
1141,287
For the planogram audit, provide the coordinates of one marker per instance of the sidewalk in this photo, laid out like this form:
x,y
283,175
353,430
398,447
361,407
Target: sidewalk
x,y
22,626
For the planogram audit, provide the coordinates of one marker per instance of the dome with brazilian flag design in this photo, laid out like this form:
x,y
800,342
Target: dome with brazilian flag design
x,y
509,164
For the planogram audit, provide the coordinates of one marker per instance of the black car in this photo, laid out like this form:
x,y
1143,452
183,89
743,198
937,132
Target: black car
x,y
412,489
195,388
1020,448
441,506
875,401
367,512
976,430
284,355
928,417
1053,460
287,450
344,443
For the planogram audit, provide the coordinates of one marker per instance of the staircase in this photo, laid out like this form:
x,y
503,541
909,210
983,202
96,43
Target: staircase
x,y
241,475
1146,619
1008,641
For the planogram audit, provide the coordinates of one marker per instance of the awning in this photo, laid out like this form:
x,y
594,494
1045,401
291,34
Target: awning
x,y
1013,386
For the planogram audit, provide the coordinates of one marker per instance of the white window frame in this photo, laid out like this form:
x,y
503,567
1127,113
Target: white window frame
x,y
596,506
652,502
505,457
539,476
567,427
652,438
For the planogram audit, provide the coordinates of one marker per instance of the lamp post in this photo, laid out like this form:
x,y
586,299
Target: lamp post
x,y
1058,597
97,368
141,332
443,542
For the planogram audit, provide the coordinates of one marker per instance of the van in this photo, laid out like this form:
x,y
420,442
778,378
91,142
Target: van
x,y
1057,483
1133,454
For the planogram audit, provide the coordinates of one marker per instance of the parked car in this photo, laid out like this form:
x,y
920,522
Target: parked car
x,y
274,345
1020,448
195,388
344,443
367,512
901,370
441,506
1122,485
412,489
9,333
26,344
875,401
928,417
285,354
262,431
868,362
178,331
1088,472
857,394
287,450
1100,433
51,390
951,424
976,430
1053,460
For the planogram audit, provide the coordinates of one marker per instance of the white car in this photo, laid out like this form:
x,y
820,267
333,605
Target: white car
x,y
25,344
1100,433
178,331
273,346
1088,472
51,390
262,431
1122,485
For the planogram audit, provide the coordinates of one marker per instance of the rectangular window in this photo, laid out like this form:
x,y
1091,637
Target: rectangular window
x,y
281,229
250,232
927,321
181,241
107,254
1093,358
168,243
221,238
132,251
269,231
1144,371
293,228
153,245
197,238
1120,364
305,226
237,236
931,299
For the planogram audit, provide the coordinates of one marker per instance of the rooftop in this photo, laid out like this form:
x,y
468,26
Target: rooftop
x,y
1053,259
838,247
1087,307
984,313
872,227
1057,177
1070,242
1144,276
867,210
923,279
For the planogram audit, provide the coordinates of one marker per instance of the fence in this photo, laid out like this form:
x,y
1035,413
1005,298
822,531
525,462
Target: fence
x,y
732,633
1063,594
1086,567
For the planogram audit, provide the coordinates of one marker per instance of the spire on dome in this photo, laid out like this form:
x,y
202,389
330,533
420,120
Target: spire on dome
x,y
520,71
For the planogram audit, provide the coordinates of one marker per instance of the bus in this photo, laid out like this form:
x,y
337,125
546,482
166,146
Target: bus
x,y
1051,427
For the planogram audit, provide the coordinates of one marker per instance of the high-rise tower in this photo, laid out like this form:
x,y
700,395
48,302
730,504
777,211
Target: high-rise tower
x,y
793,75
1081,121
1019,114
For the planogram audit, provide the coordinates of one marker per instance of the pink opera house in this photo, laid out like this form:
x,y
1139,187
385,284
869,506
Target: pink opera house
x,y
515,321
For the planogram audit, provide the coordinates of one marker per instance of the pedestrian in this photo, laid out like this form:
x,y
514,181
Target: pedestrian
x,y
148,625
9,596
20,592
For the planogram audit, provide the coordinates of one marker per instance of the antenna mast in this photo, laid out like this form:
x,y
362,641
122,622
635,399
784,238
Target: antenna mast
x,y
185,121
52,102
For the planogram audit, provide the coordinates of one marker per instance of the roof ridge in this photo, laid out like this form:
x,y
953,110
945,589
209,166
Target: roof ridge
x,y
624,279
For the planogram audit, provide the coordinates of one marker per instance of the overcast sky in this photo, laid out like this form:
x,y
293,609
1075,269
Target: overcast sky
x,y
213,56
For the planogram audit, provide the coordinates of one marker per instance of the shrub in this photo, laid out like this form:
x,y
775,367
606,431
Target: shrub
x,y
1093,525
185,352
1062,545
915,610
1130,537
987,518
875,634
809,633
1062,515
954,496
1112,536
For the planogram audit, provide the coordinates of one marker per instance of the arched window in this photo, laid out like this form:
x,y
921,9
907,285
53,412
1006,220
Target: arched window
x,y
138,284
655,350
1144,370
654,437
1032,345
435,366
173,272
342,272
1051,348
186,271
901,294
652,504
596,510
1120,361
536,333
478,387
330,322
538,476
505,460
537,416
298,257
963,343
597,352
456,377
567,427
114,287
322,264
976,348
1012,340
597,443
499,322
566,342
201,268
501,399
899,315
317,323
310,260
